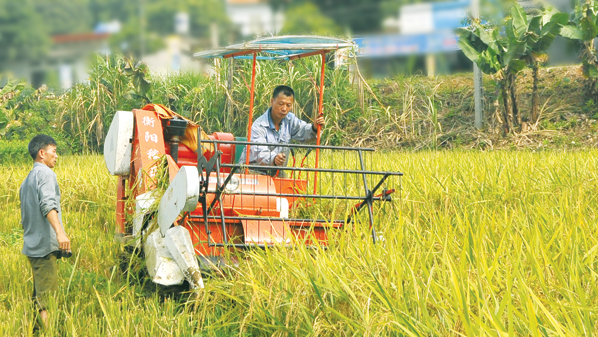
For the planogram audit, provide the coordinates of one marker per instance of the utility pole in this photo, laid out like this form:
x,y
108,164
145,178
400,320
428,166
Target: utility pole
x,y
477,76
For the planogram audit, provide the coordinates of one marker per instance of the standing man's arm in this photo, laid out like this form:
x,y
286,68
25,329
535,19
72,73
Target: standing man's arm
x,y
49,206
63,241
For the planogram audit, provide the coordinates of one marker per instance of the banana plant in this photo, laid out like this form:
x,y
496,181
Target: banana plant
x,y
497,50
541,32
516,29
505,51
480,43
138,74
583,27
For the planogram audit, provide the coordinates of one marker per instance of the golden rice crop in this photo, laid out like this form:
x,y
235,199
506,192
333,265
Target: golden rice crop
x,y
475,243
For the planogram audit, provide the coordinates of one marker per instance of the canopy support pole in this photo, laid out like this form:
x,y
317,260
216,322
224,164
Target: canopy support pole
x,y
249,124
320,114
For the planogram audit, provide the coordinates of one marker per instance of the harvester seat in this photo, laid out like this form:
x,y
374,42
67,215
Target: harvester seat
x,y
240,148
228,150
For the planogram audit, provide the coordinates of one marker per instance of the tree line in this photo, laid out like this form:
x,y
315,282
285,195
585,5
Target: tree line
x,y
26,26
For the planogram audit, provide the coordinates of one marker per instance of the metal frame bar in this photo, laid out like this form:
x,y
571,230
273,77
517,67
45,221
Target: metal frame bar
x,y
261,245
300,56
320,114
300,146
202,198
285,46
220,189
251,99
364,202
240,53
368,198
308,169
313,196
219,198
216,217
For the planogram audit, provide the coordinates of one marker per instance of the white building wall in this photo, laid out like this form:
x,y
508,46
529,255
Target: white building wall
x,y
255,19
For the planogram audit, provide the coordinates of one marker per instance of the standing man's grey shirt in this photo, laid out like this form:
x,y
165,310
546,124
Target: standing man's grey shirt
x,y
39,195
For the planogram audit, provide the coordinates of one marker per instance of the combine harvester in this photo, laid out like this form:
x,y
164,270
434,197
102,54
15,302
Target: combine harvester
x,y
213,205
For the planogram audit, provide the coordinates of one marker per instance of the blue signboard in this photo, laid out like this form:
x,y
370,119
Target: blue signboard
x,y
428,28
396,45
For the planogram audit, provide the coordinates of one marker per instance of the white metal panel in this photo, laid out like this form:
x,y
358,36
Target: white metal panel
x,y
142,204
180,246
180,196
282,206
160,264
118,147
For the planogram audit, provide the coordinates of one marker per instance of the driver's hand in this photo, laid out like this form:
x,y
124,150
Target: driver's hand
x,y
320,120
280,159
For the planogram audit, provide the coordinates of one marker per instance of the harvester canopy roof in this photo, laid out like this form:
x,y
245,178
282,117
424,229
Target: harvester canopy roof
x,y
286,47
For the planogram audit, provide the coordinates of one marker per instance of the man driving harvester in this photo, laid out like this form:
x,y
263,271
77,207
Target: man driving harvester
x,y
278,125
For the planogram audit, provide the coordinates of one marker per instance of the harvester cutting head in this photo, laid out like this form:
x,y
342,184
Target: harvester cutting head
x,y
209,204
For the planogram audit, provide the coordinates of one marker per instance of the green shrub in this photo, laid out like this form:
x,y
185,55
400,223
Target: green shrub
x,y
13,152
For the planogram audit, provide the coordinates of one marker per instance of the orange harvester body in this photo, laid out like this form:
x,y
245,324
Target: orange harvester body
x,y
253,198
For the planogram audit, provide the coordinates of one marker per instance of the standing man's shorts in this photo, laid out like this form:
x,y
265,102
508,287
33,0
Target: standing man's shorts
x,y
45,278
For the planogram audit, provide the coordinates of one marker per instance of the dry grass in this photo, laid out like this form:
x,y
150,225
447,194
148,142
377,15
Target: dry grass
x,y
566,119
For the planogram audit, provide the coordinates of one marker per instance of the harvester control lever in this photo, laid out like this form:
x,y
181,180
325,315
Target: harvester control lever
x,y
208,167
221,189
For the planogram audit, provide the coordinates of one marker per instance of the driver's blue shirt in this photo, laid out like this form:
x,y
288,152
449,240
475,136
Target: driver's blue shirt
x,y
264,131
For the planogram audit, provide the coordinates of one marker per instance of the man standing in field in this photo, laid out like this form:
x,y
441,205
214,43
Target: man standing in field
x,y
44,237
278,125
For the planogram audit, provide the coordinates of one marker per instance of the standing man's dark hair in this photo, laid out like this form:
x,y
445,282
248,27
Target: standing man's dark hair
x,y
44,238
284,89
39,142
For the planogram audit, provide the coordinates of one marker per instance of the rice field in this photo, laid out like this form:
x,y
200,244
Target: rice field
x,y
498,243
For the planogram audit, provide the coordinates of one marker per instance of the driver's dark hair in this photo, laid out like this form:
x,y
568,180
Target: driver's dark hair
x,y
39,142
284,89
